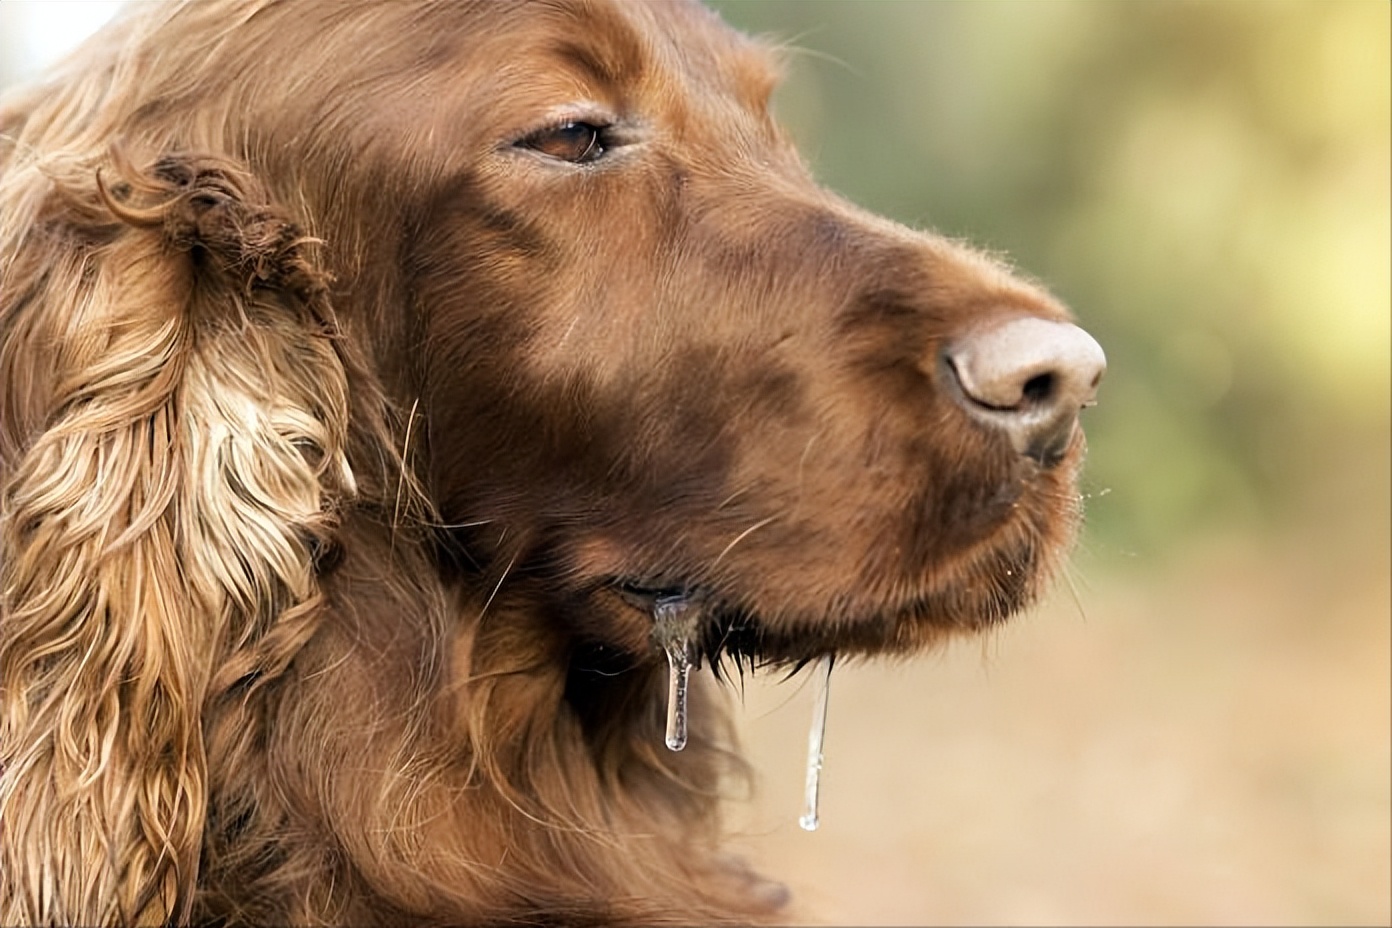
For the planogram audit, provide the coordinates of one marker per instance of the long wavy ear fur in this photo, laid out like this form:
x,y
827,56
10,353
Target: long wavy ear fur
x,y
172,459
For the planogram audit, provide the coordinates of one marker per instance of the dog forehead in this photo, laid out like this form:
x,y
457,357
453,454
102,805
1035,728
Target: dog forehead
x,y
623,52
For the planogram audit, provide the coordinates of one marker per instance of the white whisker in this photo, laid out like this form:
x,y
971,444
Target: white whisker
x,y
731,498
802,461
742,536
570,328
401,476
497,586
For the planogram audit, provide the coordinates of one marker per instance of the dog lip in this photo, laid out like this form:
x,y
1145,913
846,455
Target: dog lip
x,y
741,632
734,623
723,629
647,595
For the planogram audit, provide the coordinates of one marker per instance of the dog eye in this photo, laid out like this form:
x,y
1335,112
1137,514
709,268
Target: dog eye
x,y
576,142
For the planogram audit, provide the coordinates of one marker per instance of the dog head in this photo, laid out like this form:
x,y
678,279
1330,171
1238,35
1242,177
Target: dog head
x,y
653,356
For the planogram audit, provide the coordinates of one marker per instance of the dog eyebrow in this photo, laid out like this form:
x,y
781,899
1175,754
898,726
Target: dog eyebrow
x,y
600,43
616,66
610,53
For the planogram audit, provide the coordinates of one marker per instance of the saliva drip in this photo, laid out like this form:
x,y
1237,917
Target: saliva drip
x,y
816,737
676,622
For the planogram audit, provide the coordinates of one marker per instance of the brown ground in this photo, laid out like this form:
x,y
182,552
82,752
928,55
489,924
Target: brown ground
x,y
1203,744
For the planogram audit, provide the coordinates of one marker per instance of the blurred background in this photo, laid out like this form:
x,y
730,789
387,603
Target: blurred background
x,y
1195,728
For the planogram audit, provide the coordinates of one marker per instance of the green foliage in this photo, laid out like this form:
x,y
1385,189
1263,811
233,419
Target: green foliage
x,y
1206,184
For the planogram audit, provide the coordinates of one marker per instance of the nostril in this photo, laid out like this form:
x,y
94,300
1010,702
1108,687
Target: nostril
x,y
1028,377
1038,389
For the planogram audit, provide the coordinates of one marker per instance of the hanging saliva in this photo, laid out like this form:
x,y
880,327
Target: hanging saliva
x,y
676,624
816,738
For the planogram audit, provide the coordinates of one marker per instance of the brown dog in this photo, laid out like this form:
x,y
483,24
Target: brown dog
x,y
376,376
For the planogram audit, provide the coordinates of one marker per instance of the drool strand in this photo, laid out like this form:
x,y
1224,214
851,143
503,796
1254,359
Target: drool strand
x,y
816,736
676,622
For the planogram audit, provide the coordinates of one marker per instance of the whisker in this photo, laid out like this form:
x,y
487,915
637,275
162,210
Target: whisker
x,y
802,461
1073,591
401,475
450,525
498,586
731,498
793,49
569,329
741,537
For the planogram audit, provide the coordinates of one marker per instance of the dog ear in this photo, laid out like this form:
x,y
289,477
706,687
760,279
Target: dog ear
x,y
172,460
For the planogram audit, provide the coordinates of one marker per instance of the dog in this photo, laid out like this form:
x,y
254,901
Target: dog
x,y
398,398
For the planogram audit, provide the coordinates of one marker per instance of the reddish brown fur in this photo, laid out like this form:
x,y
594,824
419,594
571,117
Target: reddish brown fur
x,y
333,420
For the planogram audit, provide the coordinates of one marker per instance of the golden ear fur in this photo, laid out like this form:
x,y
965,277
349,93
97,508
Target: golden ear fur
x,y
172,460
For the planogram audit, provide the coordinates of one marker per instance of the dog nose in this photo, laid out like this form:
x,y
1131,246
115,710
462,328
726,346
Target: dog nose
x,y
1028,377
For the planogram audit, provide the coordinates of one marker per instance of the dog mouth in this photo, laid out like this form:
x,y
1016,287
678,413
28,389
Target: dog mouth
x,y
718,633
901,591
695,623
714,631
730,633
